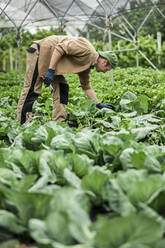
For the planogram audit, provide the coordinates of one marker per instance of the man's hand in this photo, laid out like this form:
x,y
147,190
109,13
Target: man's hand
x,y
102,105
49,76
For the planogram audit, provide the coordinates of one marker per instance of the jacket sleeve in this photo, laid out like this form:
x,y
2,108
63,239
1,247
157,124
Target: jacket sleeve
x,y
84,77
74,47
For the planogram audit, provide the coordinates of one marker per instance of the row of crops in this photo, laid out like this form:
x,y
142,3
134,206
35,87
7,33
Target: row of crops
x,y
101,185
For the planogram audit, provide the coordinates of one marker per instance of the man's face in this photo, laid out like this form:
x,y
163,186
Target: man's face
x,y
102,65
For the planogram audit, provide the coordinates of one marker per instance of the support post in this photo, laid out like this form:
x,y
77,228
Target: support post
x,y
110,48
104,41
11,58
19,52
137,48
4,63
88,33
159,41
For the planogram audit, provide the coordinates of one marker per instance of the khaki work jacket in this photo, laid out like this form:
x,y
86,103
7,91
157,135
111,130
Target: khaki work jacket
x,y
77,56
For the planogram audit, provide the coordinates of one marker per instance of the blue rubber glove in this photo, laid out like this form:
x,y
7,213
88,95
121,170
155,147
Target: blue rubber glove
x,y
49,76
102,105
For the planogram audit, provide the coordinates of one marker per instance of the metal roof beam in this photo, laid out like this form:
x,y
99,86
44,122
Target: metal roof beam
x,y
9,18
145,19
3,10
47,5
28,12
69,7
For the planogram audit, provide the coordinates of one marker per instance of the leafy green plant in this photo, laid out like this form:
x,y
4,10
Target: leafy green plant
x,y
100,185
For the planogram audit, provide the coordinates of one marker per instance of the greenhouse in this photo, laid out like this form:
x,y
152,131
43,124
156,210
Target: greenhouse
x,y
82,124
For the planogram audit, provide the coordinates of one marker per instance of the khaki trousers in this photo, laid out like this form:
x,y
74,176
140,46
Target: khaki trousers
x,y
32,88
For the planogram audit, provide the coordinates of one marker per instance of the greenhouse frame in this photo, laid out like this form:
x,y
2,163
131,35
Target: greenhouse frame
x,y
70,14
82,124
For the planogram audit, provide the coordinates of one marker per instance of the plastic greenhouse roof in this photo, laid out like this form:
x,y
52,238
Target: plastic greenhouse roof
x,y
58,13
83,14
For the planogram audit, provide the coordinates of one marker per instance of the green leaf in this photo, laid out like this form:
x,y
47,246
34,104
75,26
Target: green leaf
x,y
71,178
125,158
26,160
95,180
126,231
160,244
139,186
26,182
126,100
157,202
37,203
111,144
33,138
40,135
38,231
118,201
11,243
19,183
103,123
8,177
57,225
152,164
40,184
83,141
141,132
68,218
63,142
134,246
81,164
58,245
60,161
53,129
149,212
139,158
4,153
130,101
47,164
146,119
141,104
10,222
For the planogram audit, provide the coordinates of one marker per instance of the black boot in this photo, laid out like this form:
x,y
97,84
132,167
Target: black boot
x,y
72,123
